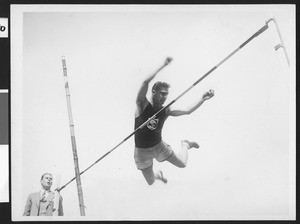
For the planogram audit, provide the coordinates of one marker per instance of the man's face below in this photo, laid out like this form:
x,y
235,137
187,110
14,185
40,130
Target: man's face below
x,y
46,182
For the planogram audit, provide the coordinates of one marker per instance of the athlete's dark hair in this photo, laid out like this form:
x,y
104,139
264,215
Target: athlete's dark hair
x,y
158,85
44,175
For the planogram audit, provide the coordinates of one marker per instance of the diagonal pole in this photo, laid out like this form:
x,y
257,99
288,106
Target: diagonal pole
x,y
261,30
74,148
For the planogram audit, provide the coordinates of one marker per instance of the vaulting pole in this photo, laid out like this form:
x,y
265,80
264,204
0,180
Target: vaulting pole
x,y
164,108
75,157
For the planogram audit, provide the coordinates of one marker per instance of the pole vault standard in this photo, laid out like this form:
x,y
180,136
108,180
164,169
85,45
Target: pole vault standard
x,y
164,108
281,41
75,157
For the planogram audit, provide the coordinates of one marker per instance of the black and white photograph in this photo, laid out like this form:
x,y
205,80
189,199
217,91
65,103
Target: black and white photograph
x,y
153,112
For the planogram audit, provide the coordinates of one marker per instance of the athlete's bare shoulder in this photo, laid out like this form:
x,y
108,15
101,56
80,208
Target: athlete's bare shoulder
x,y
140,107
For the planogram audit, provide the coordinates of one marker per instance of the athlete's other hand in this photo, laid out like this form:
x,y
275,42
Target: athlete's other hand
x,y
208,95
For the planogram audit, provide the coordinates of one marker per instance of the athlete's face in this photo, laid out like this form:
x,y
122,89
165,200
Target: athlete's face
x,y
46,182
160,96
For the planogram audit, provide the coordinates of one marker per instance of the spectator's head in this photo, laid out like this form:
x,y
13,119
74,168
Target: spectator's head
x,y
46,181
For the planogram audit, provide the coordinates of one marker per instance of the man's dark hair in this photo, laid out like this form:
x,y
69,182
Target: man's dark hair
x,y
158,85
44,175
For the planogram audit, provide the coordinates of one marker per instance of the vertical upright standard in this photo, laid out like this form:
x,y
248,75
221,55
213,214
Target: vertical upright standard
x,y
281,44
75,157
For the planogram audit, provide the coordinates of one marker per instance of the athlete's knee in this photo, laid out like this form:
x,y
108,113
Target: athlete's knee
x,y
150,181
182,164
149,175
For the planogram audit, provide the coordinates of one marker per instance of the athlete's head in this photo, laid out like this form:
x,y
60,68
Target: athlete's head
x,y
160,91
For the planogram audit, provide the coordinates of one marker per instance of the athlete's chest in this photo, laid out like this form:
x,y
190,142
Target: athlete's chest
x,y
156,122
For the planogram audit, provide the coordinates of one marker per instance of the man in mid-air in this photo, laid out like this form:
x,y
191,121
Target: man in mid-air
x,y
148,139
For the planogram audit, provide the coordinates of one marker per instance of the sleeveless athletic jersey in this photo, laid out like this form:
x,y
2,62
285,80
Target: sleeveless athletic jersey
x,y
150,134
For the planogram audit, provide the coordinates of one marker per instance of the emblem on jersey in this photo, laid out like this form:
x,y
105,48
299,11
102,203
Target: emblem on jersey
x,y
152,125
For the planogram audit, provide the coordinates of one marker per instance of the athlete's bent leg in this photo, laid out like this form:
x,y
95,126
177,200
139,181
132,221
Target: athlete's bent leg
x,y
151,177
180,159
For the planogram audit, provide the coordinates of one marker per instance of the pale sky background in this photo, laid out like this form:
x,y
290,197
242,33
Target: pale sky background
x,y
245,166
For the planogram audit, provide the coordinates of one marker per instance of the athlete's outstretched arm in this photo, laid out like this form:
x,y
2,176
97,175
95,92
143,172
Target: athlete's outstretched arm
x,y
141,97
190,110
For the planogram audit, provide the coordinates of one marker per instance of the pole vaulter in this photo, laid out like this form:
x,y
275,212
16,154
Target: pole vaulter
x,y
261,30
